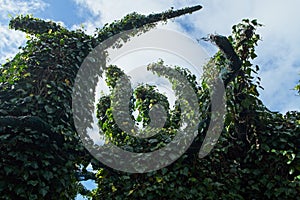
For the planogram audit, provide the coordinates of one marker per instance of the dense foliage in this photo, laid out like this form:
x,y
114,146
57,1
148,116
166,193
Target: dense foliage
x,y
41,154
257,156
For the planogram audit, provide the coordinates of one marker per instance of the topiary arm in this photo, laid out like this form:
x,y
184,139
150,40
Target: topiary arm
x,y
33,26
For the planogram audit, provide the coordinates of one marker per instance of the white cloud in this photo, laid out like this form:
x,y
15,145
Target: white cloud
x,y
14,7
89,27
108,11
10,39
279,52
112,10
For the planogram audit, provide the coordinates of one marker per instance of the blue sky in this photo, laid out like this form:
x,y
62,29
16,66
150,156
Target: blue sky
x,y
278,53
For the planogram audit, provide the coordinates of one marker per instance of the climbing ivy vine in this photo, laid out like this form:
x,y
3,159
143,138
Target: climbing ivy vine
x,y
41,154
42,157
256,157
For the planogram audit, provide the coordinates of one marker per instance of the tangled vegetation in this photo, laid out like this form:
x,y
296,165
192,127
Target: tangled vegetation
x,y
42,157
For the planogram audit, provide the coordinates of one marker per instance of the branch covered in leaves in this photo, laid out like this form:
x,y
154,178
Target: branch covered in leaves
x,y
30,122
135,20
173,13
235,65
227,49
31,25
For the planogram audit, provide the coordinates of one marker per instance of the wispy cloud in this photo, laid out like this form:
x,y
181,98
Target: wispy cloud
x,y
111,10
279,52
14,7
107,11
10,39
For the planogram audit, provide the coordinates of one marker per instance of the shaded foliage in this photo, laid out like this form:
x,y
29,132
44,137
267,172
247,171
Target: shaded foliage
x,y
257,156
41,154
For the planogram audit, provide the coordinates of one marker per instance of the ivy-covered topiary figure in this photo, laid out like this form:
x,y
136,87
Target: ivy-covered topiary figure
x,y
41,154
42,157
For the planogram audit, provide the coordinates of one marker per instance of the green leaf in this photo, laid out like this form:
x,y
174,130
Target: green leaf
x,y
49,110
32,182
